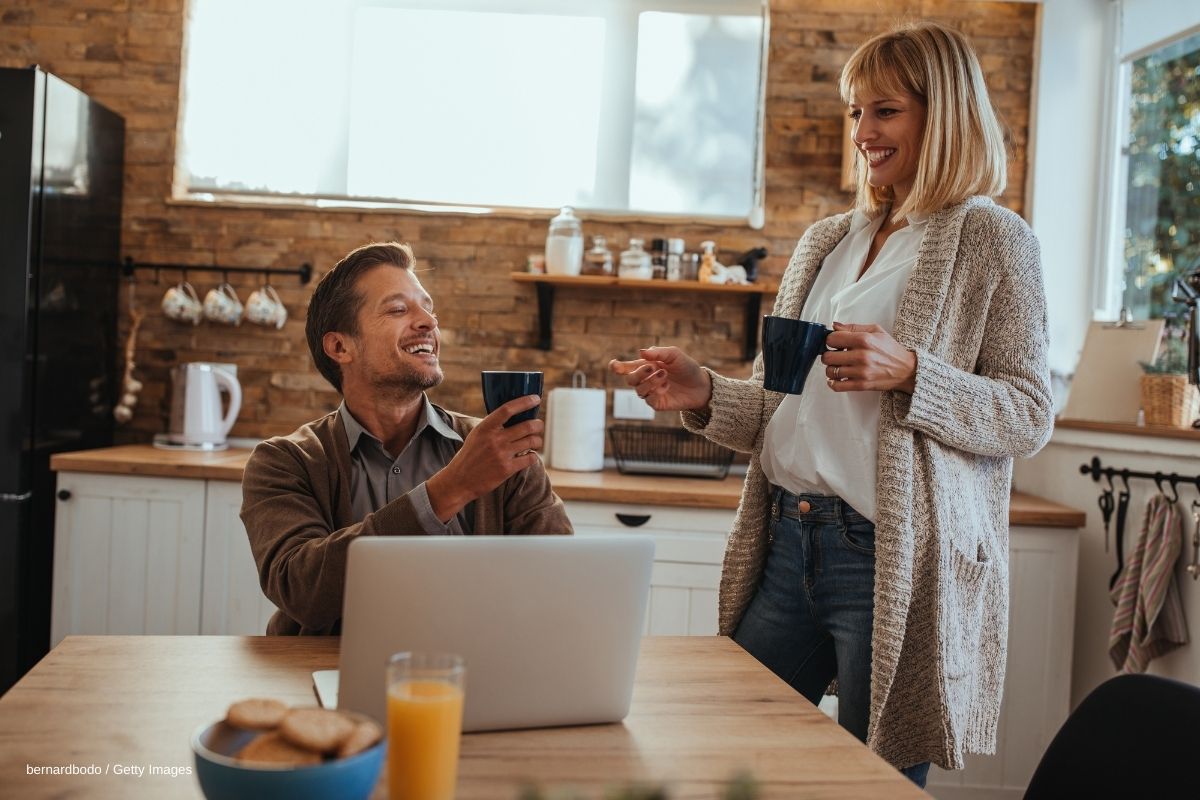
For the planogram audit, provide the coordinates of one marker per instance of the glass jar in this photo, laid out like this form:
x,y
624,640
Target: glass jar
x,y
658,259
598,260
635,262
689,267
564,244
674,259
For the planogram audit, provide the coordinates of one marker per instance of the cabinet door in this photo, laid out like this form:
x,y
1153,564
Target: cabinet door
x,y
689,545
683,599
127,555
1037,682
233,602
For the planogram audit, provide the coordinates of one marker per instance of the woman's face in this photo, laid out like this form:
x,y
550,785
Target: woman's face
x,y
887,131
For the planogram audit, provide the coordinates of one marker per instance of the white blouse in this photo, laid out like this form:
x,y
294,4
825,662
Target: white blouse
x,y
827,442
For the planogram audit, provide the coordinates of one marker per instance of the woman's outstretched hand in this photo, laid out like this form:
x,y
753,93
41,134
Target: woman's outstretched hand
x,y
667,378
867,358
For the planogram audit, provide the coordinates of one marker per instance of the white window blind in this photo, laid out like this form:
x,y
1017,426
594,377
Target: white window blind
x,y
607,105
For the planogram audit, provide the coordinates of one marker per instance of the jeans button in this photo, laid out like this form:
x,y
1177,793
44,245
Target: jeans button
x,y
804,506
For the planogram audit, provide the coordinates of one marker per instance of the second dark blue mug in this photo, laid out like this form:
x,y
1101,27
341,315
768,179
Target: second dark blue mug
x,y
500,387
790,347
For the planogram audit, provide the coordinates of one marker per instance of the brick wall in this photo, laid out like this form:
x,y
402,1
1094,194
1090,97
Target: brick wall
x,y
127,55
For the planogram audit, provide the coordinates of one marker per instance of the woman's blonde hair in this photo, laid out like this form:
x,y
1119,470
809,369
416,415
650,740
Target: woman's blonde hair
x,y
962,149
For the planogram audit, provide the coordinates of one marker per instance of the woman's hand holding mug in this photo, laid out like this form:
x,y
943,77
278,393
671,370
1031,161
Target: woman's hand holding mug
x,y
667,378
867,358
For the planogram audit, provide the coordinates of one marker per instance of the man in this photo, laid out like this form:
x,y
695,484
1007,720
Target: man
x,y
388,461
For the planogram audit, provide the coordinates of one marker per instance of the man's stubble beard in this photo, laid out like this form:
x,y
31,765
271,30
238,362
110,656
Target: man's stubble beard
x,y
405,383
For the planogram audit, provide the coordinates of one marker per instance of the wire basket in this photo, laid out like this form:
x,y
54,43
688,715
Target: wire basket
x,y
646,450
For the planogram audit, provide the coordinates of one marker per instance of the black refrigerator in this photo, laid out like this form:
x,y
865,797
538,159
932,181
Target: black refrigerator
x,y
61,160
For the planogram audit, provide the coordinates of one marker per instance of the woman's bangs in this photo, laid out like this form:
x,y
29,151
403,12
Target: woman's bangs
x,y
874,73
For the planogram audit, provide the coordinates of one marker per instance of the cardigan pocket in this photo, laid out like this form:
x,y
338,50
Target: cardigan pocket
x,y
964,611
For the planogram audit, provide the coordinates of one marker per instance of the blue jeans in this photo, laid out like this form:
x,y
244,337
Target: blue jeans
x,y
810,620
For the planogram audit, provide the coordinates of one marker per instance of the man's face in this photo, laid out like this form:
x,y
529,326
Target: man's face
x,y
398,340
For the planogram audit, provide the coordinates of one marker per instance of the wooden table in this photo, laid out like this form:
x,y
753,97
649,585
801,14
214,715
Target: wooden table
x,y
703,710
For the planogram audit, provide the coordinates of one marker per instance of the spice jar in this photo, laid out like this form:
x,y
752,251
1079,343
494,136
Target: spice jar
x,y
598,260
658,259
674,259
635,262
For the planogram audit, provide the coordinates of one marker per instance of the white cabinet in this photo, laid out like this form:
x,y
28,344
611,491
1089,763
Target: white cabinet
x,y
233,602
142,555
689,548
128,555
1042,565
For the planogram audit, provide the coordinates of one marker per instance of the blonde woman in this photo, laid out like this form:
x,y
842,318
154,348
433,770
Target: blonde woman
x,y
871,541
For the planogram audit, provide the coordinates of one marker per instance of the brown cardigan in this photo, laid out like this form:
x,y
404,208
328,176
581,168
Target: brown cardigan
x,y
296,509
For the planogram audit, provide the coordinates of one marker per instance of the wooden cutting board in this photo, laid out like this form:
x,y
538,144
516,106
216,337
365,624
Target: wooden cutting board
x,y
1107,382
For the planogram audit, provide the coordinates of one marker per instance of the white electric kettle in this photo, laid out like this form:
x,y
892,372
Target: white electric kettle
x,y
196,420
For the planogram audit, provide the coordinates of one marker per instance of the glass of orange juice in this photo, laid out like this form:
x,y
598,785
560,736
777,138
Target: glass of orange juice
x,y
425,708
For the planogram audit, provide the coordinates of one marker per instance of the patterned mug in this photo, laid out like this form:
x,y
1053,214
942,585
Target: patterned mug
x,y
222,305
181,304
264,307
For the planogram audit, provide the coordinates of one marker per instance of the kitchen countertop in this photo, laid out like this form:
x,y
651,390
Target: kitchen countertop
x,y
608,486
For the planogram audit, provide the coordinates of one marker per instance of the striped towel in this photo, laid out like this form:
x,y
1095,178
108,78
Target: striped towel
x,y
1149,618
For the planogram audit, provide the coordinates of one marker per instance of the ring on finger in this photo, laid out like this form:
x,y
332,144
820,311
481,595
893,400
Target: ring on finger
x,y
836,373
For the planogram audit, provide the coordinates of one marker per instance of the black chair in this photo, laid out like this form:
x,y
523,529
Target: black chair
x,y
1134,736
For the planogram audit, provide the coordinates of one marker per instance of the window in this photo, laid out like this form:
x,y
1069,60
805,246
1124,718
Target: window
x,y
649,106
1160,176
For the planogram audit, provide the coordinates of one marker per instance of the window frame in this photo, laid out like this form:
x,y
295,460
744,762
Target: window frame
x,y
184,193
1108,300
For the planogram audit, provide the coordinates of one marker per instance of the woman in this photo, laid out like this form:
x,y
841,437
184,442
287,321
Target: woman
x,y
871,540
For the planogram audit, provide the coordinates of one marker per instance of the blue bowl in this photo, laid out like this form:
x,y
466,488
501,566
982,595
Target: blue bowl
x,y
224,778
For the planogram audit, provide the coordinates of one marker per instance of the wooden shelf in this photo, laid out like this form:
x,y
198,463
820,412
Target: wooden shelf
x,y
760,287
546,285
1159,431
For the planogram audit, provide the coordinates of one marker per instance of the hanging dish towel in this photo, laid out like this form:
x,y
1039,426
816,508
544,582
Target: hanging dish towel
x,y
1149,618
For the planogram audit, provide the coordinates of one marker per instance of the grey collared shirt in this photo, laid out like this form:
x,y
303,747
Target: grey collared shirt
x,y
376,478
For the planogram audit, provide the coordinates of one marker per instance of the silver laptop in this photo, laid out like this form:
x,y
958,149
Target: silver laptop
x,y
549,626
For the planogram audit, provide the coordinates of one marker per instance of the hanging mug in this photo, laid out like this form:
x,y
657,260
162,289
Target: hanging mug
x,y
222,305
181,304
264,307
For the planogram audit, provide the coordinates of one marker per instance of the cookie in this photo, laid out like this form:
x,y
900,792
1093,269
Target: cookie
x,y
271,748
256,714
364,735
318,729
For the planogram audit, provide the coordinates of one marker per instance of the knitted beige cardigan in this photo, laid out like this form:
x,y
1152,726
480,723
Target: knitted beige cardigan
x,y
974,312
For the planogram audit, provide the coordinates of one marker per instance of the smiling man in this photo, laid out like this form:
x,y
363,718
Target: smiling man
x,y
387,461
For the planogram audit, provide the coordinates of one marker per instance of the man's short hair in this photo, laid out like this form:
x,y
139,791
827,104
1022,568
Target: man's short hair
x,y
336,301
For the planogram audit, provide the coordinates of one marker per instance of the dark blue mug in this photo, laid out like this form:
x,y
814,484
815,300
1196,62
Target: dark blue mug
x,y
500,387
790,347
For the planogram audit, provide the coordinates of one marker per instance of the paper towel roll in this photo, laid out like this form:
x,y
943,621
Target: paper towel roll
x,y
575,429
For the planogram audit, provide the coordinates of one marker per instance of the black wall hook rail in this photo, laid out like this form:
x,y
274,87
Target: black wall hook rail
x,y
304,271
1173,478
